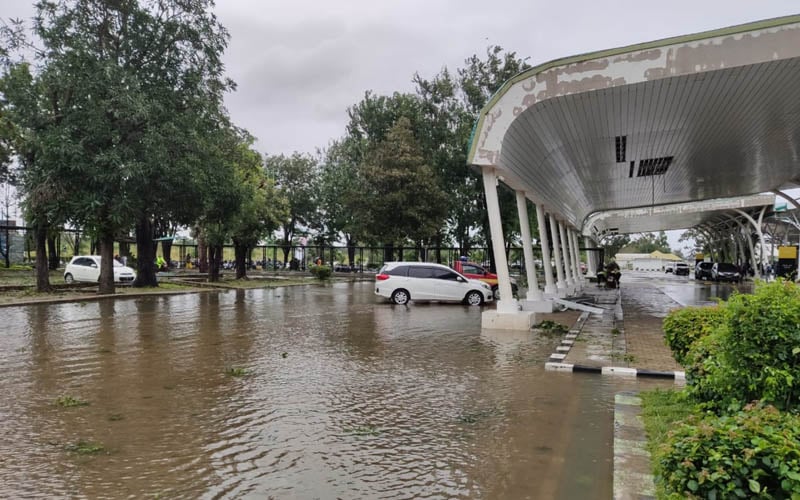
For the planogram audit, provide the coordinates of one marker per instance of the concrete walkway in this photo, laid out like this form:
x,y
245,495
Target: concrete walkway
x,y
627,338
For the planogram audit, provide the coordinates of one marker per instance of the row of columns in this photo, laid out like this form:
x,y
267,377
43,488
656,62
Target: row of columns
x,y
566,248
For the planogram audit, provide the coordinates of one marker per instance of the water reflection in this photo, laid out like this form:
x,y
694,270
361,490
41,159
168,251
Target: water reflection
x,y
343,396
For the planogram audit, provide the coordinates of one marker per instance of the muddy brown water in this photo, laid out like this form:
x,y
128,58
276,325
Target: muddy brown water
x,y
344,396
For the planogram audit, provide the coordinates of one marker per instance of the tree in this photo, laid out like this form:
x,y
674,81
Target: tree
x,y
142,90
613,243
649,243
296,179
399,202
261,210
338,193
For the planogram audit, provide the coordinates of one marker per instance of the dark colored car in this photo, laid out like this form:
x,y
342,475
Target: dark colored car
x,y
723,271
681,269
703,270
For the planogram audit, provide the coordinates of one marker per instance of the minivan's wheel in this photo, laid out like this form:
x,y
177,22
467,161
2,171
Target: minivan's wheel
x,y
68,278
474,298
400,297
496,292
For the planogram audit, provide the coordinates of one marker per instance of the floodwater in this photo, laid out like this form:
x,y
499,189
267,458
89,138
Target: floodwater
x,y
343,396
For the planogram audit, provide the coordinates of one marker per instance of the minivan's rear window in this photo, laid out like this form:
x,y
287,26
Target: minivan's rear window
x,y
397,271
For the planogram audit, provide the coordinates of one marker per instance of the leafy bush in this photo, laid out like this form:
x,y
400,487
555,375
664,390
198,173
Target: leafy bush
x,y
752,454
683,326
761,348
321,272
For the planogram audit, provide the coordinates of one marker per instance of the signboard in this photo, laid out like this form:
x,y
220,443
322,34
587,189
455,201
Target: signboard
x,y
787,252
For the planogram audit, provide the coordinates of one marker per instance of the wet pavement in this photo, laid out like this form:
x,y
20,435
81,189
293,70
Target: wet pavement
x,y
301,392
629,334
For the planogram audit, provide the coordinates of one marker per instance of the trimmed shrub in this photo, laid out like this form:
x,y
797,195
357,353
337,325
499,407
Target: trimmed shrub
x,y
683,326
752,454
321,272
761,347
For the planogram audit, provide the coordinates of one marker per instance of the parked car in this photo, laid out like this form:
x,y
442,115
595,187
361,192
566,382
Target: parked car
x,y
421,281
86,268
681,269
723,271
477,272
702,270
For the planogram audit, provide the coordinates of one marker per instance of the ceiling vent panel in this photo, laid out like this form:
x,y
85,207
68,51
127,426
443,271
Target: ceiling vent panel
x,y
654,166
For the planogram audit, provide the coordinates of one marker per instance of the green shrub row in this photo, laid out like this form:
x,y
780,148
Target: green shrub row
x,y
744,350
683,326
754,453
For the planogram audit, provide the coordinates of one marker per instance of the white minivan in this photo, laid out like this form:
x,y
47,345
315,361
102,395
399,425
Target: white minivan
x,y
422,281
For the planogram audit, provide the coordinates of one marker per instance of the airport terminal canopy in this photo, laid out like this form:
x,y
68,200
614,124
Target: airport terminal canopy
x,y
605,140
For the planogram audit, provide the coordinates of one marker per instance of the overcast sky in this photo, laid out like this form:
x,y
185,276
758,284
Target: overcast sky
x,y
300,63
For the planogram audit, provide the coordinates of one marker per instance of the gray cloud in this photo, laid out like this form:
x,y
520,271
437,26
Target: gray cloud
x,y
299,64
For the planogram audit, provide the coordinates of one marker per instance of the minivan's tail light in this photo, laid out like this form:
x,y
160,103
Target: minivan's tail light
x,y
381,277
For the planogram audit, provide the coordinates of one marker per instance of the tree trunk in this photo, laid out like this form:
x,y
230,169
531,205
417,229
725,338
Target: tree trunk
x,y
240,251
7,250
77,248
52,252
166,251
42,272
351,252
286,251
145,262
202,255
106,285
214,262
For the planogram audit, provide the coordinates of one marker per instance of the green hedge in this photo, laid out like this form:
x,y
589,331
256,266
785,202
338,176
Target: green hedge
x,y
754,453
755,355
683,326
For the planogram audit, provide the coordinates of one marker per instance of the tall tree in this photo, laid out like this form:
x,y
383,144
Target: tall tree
x,y
146,85
262,208
296,179
399,201
338,192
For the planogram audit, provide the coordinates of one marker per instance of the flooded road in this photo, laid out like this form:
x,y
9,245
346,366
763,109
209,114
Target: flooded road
x,y
301,392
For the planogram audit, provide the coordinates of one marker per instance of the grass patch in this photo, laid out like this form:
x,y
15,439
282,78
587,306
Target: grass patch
x,y
615,331
551,327
363,430
627,358
115,417
70,402
84,448
661,410
237,371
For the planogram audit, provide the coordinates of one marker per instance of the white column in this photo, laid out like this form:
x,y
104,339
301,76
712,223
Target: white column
x,y
576,268
566,252
549,282
527,248
507,303
561,285
577,250
591,258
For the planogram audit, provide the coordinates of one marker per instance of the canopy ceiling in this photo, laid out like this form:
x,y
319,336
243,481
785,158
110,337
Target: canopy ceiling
x,y
709,116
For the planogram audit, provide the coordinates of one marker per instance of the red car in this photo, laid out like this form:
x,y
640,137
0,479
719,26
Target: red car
x,y
475,271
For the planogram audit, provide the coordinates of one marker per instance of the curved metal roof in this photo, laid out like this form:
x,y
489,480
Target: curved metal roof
x,y
707,116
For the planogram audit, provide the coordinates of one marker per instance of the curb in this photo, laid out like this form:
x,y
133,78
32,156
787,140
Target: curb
x,y
615,370
556,361
633,476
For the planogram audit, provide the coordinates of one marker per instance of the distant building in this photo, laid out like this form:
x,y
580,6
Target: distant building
x,y
654,261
